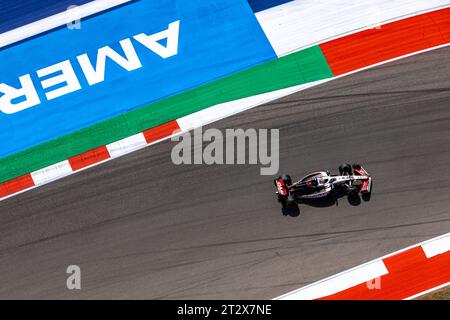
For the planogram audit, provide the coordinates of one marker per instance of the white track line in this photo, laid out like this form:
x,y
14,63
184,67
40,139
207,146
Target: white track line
x,y
428,291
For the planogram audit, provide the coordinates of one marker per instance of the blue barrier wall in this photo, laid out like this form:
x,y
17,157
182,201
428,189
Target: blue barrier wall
x,y
216,38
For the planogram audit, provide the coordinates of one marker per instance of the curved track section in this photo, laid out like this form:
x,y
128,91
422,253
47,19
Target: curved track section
x,y
141,227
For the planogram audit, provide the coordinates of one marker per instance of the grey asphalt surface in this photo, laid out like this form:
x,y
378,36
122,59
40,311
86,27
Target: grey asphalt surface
x,y
141,227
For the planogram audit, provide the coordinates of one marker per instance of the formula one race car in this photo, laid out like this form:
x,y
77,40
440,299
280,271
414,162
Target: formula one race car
x,y
351,181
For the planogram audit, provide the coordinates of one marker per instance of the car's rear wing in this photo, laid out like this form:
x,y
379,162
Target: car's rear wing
x,y
366,186
282,188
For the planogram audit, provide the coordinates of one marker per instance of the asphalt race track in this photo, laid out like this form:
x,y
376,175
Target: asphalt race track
x,y
141,227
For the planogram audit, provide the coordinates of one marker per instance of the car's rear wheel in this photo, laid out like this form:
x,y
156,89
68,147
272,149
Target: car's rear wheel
x,y
352,191
366,196
353,196
286,178
290,201
345,169
291,207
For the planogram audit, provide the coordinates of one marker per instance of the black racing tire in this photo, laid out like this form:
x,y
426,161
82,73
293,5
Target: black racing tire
x,y
353,196
286,178
292,209
366,196
284,208
352,191
345,169
356,166
290,201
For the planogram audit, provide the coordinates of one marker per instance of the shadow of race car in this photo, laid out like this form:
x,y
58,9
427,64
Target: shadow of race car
x,y
318,186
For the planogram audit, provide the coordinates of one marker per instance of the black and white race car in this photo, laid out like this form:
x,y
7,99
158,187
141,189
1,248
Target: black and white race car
x,y
351,181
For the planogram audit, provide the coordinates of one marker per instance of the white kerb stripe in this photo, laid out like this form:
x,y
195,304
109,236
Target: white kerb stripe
x,y
437,246
127,145
50,173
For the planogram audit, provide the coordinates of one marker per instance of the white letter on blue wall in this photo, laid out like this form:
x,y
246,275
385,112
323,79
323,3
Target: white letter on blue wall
x,y
151,42
8,93
93,76
67,76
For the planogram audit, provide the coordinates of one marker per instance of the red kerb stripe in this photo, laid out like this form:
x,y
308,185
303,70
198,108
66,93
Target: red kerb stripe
x,y
89,157
161,131
391,40
15,185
